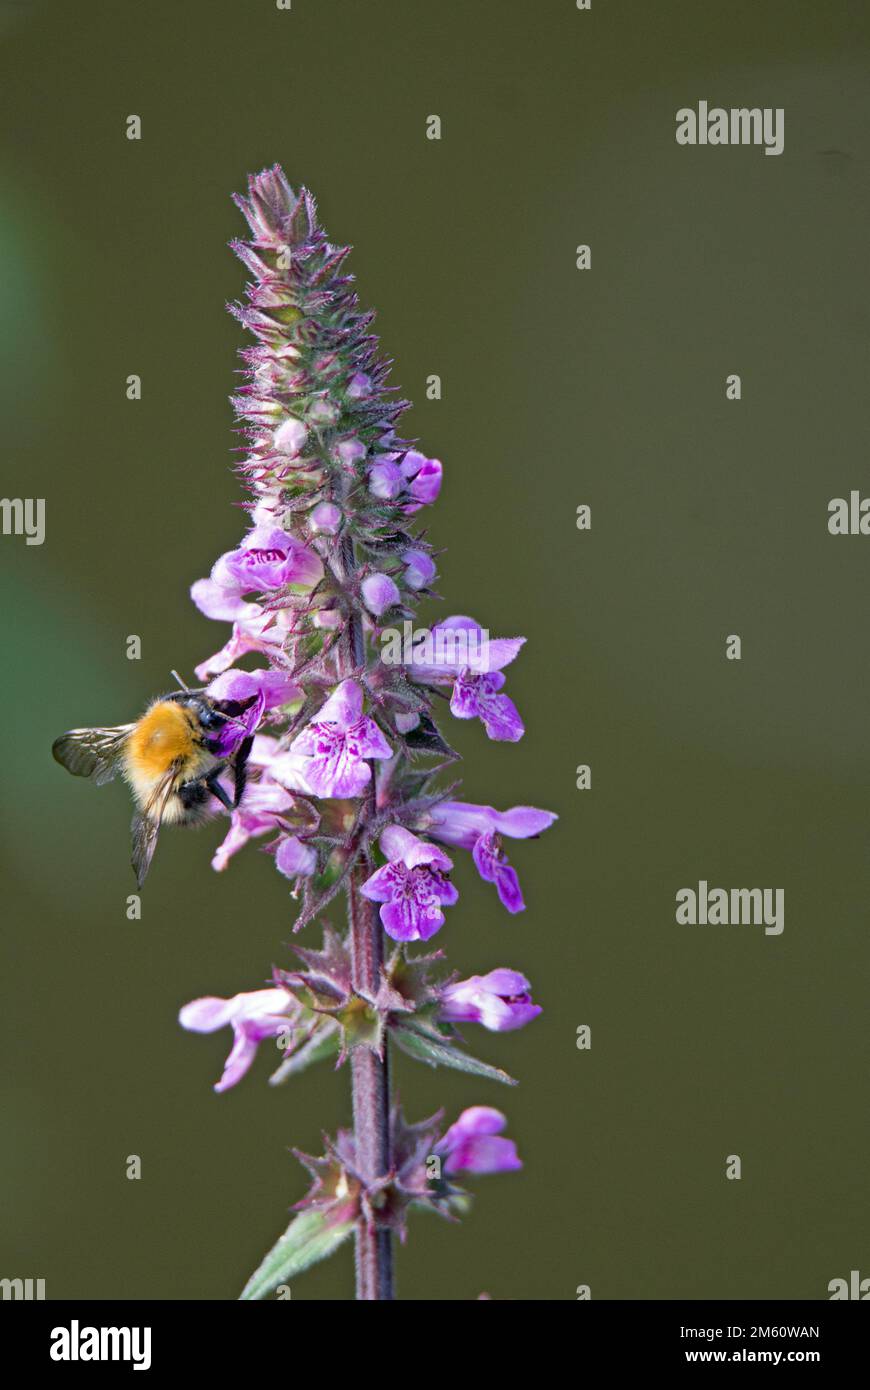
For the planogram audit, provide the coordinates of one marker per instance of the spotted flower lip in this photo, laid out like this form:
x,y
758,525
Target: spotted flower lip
x,y
501,1001
268,558
338,742
474,1144
478,696
259,1014
412,888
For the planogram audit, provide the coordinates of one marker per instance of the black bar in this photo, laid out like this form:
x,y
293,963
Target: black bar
x,y
225,1337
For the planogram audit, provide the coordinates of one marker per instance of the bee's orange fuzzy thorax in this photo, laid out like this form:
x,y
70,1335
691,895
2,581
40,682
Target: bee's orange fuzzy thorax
x,y
165,733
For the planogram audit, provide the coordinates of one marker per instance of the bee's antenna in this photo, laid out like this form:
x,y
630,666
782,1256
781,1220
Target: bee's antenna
x,y
182,683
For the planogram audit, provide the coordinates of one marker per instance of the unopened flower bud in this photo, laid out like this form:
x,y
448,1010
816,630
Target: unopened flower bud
x,y
323,413
325,519
379,593
359,385
426,483
328,618
406,720
419,568
290,437
385,480
350,451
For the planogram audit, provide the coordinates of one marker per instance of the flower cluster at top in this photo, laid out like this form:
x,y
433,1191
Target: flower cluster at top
x,y
344,768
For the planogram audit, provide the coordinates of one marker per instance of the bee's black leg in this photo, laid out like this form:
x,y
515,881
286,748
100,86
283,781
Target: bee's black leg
x,y
240,768
217,790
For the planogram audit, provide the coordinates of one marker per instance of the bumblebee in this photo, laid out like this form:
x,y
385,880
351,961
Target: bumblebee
x,y
172,758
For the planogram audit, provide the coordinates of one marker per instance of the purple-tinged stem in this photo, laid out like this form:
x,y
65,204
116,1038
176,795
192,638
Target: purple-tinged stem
x,y
371,1100
371,1077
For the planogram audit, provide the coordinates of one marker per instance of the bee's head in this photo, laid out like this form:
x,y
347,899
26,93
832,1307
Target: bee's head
x,y
209,717
203,709
222,721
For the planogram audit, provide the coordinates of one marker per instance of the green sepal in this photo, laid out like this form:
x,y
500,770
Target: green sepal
x,y
427,738
361,1025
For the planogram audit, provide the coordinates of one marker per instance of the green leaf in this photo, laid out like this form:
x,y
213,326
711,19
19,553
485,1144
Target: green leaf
x,y
323,1045
444,1054
306,1240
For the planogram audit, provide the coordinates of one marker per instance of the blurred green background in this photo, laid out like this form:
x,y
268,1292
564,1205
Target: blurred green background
x,y
560,387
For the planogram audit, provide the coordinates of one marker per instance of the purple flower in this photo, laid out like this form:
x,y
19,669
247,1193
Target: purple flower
x,y
460,644
477,697
262,1013
289,770
259,691
338,742
276,687
412,888
293,859
263,633
461,653
461,823
473,1143
267,559
411,478
423,477
379,592
258,815
479,828
500,1001
226,605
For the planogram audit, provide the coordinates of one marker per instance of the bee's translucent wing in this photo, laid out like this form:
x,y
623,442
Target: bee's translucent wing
x,y
146,825
92,752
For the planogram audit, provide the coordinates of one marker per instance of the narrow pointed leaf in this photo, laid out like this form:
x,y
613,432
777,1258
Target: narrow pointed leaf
x,y
319,1048
444,1054
307,1239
